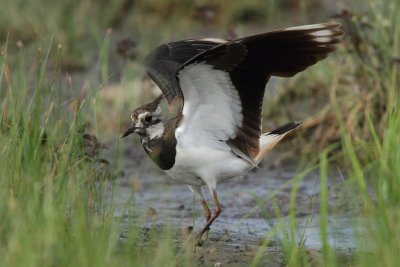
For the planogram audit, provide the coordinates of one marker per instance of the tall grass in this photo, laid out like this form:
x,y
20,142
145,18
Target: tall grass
x,y
75,25
364,99
374,166
55,206
373,163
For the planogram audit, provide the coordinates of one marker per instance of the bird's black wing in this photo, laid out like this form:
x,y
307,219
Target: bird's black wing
x,y
163,63
249,62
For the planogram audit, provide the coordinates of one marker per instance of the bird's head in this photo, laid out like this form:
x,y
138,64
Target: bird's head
x,y
147,121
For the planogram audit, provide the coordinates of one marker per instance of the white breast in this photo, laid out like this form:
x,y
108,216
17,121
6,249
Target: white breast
x,y
199,166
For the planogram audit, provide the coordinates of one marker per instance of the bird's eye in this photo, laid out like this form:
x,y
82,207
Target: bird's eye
x,y
148,118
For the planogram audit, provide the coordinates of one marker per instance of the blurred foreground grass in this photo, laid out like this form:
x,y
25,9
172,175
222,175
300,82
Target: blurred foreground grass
x,y
56,203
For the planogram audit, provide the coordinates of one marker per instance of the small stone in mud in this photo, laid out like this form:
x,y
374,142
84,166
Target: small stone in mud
x,y
214,239
271,243
226,238
186,232
213,251
151,214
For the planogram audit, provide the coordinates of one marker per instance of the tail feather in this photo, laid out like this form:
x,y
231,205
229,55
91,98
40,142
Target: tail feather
x,y
270,139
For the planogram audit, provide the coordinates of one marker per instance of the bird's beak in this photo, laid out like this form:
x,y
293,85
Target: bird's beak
x,y
130,130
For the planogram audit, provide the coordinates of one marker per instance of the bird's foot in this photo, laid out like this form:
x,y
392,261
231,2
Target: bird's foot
x,y
198,242
200,239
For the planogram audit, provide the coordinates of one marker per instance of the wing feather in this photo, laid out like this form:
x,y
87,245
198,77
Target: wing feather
x,y
163,63
212,111
249,62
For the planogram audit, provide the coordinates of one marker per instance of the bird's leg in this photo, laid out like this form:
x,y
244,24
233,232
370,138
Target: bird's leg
x,y
217,212
207,214
207,211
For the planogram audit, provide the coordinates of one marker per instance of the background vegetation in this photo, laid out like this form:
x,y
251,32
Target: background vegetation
x,y
70,70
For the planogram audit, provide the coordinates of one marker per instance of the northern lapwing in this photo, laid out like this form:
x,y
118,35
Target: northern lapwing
x,y
206,126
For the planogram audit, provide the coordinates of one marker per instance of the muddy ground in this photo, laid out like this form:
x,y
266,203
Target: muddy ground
x,y
249,214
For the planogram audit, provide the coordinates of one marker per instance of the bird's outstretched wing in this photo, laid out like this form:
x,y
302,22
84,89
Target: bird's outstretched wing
x,y
222,87
163,63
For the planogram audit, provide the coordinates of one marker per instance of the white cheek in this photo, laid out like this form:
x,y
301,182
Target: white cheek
x,y
155,131
140,118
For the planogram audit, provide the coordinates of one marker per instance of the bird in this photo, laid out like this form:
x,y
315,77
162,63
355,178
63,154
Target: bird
x,y
205,127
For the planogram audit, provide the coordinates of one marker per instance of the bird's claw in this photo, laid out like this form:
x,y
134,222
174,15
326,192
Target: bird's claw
x,y
198,242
